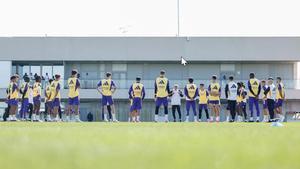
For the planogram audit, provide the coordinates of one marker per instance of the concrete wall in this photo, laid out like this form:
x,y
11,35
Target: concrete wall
x,y
5,73
150,48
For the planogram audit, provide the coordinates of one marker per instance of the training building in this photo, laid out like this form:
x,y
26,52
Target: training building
x,y
128,57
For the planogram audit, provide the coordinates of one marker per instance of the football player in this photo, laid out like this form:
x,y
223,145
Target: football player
x,y
214,90
137,94
106,87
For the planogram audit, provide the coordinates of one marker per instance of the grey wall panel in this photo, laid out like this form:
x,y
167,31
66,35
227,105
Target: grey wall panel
x,y
203,71
150,48
134,70
89,71
155,48
173,71
283,70
261,70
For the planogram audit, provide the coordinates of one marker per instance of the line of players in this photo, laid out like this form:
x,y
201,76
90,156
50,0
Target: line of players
x,y
272,99
236,94
52,98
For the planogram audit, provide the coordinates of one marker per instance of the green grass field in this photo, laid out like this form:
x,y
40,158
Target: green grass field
x,y
149,146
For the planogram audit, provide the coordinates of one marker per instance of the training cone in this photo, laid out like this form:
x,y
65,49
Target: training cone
x,y
276,124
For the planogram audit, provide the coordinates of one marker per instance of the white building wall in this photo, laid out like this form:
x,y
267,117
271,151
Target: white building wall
x,y
5,73
150,48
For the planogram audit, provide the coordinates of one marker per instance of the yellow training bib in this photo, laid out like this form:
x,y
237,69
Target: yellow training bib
x,y
37,89
240,98
191,88
14,94
278,96
25,85
214,88
54,86
106,87
137,89
203,97
161,83
73,88
254,83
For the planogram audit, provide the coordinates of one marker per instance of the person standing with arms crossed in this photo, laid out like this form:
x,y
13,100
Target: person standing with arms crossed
x,y
254,91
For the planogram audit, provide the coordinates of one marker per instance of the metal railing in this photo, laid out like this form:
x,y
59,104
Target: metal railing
x,y
149,84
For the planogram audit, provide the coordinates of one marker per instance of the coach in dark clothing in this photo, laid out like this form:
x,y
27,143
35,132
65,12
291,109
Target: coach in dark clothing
x,y
90,117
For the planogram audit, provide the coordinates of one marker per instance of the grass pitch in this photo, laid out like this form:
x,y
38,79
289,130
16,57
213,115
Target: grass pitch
x,y
149,146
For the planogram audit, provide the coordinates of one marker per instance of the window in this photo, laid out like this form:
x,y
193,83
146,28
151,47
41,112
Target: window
x,y
35,70
102,67
119,67
228,67
47,69
14,69
101,71
25,70
59,70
